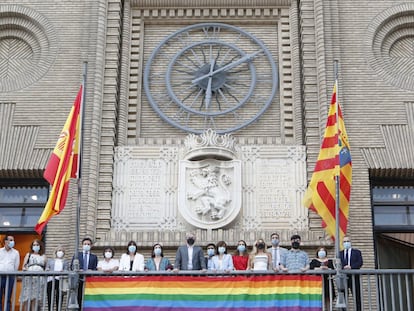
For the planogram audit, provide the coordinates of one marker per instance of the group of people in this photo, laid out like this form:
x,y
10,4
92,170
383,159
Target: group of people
x,y
188,257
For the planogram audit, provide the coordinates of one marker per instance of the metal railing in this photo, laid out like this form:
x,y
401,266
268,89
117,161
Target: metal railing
x,y
379,290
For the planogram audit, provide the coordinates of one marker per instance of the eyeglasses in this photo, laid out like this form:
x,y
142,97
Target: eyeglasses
x,y
210,247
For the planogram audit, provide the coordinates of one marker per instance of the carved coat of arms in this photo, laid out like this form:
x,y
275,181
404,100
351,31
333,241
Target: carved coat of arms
x,y
209,194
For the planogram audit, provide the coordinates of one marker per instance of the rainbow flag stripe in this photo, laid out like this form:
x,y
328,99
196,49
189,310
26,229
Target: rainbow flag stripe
x,y
203,293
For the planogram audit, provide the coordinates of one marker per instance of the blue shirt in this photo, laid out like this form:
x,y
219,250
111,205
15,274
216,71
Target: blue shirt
x,y
295,260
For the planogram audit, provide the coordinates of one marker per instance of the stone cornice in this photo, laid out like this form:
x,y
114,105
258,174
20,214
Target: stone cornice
x,y
146,4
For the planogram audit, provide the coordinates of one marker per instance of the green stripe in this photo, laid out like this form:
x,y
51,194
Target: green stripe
x,y
172,297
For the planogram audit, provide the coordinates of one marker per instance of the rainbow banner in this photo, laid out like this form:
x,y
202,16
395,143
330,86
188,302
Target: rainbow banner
x,y
202,293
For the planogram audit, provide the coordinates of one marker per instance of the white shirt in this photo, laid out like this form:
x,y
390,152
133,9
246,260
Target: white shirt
x,y
190,257
108,265
137,265
9,259
276,257
58,264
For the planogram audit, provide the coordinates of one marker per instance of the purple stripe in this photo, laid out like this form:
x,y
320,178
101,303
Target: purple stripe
x,y
132,308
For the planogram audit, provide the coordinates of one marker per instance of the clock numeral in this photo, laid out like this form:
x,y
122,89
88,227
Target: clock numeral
x,y
212,32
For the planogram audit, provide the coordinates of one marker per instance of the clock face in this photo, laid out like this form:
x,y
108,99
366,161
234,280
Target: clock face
x,y
210,75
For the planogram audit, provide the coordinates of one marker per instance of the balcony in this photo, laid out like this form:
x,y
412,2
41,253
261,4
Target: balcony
x,y
380,290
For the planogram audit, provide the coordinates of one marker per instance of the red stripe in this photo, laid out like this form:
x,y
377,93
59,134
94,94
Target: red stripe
x,y
326,164
329,142
329,202
331,121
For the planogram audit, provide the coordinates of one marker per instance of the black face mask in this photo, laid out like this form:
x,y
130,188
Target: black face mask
x,y
190,241
261,246
295,245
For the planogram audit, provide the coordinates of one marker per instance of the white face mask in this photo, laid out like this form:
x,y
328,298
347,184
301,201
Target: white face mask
x,y
60,254
108,255
86,248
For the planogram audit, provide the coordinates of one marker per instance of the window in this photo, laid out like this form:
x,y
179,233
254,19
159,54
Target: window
x,y
393,207
21,207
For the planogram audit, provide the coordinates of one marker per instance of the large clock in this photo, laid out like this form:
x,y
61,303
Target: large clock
x,y
210,75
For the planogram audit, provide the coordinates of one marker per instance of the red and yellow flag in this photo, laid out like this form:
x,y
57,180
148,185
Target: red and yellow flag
x,y
62,165
334,160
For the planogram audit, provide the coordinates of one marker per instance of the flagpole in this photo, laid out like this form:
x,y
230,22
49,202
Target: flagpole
x,y
337,171
73,303
79,181
340,276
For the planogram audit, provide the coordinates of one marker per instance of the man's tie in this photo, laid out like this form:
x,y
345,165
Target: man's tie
x,y
85,261
274,258
347,257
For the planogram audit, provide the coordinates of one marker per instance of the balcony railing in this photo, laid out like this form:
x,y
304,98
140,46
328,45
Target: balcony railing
x,y
380,290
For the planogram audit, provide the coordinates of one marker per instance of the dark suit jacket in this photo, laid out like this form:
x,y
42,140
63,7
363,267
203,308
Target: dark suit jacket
x,y
181,258
356,259
92,264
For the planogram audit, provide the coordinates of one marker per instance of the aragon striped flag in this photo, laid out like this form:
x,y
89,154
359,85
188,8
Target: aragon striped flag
x,y
62,165
334,160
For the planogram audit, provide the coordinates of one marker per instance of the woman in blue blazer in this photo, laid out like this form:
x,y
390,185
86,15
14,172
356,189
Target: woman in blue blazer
x,y
157,262
222,261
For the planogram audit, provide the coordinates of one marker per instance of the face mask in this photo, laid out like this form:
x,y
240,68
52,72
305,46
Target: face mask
x,y
86,248
132,248
261,246
295,245
321,254
11,244
190,241
157,251
241,248
210,252
36,248
108,255
347,245
221,249
275,242
60,254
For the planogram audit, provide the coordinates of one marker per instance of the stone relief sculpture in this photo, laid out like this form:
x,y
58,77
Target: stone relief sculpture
x,y
209,195
212,196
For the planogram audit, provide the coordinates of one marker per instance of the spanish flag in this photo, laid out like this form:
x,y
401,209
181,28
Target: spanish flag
x,y
334,160
62,165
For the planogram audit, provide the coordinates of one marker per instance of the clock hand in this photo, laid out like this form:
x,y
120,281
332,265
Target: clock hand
x,y
247,57
210,80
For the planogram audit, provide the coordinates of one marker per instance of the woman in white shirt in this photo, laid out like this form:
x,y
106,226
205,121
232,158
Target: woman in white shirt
x,y
131,260
108,264
222,261
57,285
260,259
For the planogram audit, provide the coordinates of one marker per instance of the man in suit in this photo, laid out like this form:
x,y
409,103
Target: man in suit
x,y
189,256
87,261
351,258
276,251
